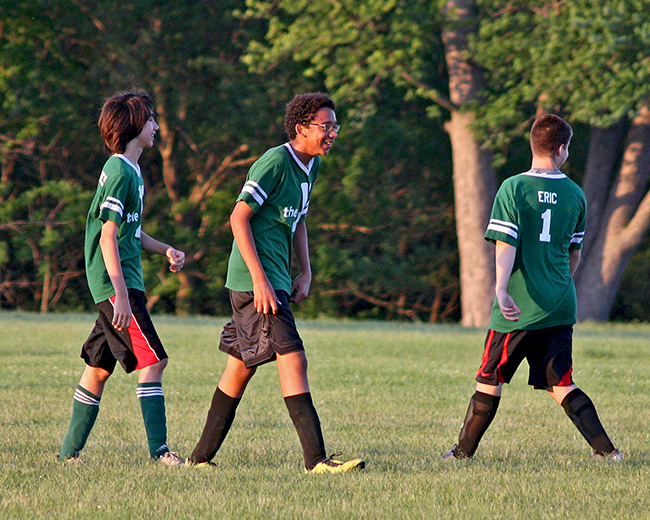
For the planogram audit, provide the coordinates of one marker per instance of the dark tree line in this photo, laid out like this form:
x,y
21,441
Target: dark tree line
x,y
434,114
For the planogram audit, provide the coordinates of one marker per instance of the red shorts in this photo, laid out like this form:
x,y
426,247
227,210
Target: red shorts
x,y
137,347
548,352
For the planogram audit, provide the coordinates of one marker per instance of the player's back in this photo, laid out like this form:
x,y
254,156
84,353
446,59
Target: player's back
x,y
543,214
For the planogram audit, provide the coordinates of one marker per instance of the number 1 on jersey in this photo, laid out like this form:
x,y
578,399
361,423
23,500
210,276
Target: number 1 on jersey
x,y
545,235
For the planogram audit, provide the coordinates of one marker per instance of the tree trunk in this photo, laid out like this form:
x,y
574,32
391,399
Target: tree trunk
x,y
473,172
621,223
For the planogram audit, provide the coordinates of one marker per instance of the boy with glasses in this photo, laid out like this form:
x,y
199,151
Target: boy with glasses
x,y
268,224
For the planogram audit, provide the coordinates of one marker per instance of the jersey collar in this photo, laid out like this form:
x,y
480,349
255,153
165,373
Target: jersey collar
x,y
304,168
548,174
136,167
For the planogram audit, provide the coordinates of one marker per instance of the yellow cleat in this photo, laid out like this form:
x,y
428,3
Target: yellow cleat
x,y
330,465
206,464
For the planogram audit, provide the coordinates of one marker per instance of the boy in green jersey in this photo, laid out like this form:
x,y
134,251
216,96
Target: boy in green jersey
x,y
113,244
268,224
537,224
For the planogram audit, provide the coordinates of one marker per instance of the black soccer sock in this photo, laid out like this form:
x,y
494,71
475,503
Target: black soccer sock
x,y
220,417
305,419
482,409
582,412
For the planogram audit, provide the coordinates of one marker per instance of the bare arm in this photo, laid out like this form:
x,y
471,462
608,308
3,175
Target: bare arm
x,y
111,255
574,260
265,299
505,260
302,282
175,257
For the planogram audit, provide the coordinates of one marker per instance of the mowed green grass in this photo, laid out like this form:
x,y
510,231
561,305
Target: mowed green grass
x,y
394,394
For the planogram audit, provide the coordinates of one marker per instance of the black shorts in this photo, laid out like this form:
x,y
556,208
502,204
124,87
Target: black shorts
x,y
257,338
137,347
548,352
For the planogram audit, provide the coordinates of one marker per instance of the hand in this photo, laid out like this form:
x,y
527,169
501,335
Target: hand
x,y
300,287
507,306
176,259
121,313
264,298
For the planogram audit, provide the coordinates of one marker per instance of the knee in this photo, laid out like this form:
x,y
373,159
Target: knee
x,y
298,362
97,375
159,366
244,373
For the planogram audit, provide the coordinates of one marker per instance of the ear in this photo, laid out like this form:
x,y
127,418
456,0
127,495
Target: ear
x,y
300,130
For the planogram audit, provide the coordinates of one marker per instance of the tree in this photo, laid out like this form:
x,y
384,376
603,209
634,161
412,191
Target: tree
x,y
590,63
43,156
358,47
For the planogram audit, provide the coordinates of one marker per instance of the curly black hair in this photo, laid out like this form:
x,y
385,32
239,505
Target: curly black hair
x,y
302,108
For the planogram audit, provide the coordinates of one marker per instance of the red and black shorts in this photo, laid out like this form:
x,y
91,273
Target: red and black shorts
x,y
137,347
548,352
257,338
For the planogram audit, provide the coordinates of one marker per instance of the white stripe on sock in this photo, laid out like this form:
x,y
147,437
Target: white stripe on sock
x,y
84,398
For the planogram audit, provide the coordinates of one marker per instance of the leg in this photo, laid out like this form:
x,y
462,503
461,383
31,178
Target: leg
x,y
235,377
152,403
94,379
292,369
481,411
153,373
84,411
222,410
582,412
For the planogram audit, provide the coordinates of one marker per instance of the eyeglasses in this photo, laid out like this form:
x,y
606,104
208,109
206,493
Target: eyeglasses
x,y
328,127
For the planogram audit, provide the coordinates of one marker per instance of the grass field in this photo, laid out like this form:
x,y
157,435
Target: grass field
x,y
394,394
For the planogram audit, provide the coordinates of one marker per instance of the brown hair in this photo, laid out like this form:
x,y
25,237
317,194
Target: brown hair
x,y
548,133
123,117
302,108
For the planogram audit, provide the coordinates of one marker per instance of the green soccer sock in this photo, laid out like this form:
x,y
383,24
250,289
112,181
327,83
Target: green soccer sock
x,y
85,408
152,402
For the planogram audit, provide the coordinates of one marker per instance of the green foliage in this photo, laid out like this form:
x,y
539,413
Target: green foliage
x,y
356,46
587,60
381,225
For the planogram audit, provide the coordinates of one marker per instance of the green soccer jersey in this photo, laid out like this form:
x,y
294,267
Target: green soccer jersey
x,y
120,199
543,214
277,188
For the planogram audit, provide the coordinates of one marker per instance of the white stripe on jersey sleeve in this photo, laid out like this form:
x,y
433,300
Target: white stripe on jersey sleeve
x,y
113,204
577,237
503,227
256,191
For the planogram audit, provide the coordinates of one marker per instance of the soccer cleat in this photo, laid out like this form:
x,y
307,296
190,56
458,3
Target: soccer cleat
x,y
205,464
330,465
454,454
612,456
169,458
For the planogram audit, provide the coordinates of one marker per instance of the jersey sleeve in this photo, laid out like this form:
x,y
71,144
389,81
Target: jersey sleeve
x,y
504,224
115,188
581,226
261,180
